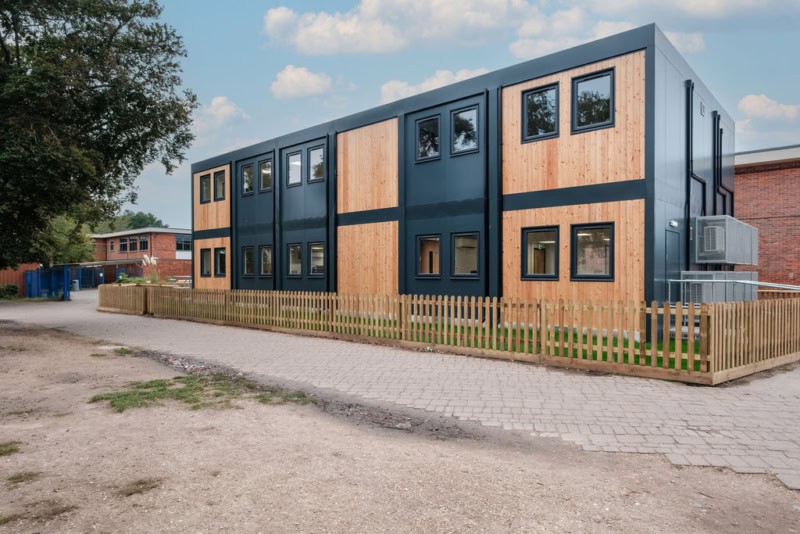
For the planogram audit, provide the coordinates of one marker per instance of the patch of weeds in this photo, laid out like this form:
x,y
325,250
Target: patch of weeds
x,y
24,476
50,509
97,355
9,518
139,486
280,396
9,447
12,348
123,351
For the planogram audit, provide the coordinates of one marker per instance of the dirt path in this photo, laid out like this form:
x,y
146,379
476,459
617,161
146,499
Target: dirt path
x,y
260,468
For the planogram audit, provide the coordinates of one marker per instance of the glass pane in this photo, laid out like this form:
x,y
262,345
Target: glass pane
x,y
247,261
205,188
541,112
542,251
265,169
143,243
465,130
295,260
247,179
219,186
317,252
317,161
132,245
594,101
429,255
205,261
266,260
428,138
221,266
466,254
594,251
295,169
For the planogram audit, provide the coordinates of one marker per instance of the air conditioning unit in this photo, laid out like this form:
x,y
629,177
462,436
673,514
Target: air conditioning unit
x,y
698,286
723,240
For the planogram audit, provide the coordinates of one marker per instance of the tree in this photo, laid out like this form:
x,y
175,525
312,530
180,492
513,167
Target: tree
x,y
89,95
129,220
64,241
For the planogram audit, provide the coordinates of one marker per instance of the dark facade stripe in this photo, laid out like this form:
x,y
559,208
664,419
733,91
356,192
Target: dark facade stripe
x,y
212,234
368,216
446,209
304,224
255,229
567,196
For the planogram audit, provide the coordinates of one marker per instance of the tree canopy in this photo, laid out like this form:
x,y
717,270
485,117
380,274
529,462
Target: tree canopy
x,y
90,94
129,220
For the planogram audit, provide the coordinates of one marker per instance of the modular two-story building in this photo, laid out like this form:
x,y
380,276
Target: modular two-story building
x,y
577,175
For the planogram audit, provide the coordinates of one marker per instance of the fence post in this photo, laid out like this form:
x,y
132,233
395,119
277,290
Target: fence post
x,y
706,346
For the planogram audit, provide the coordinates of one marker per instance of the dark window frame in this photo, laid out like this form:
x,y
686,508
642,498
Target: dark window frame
x,y
183,241
453,152
217,196
541,137
289,168
261,273
133,244
429,276
245,274
111,246
324,161
272,175
311,274
289,260
464,276
417,158
253,187
217,272
123,244
210,193
573,253
524,255
146,241
203,251
574,101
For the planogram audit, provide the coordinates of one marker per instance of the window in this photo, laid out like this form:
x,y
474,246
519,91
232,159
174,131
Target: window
x,y
143,242
265,171
183,242
219,185
316,259
295,260
540,113
316,164
111,246
465,255
593,101
465,131
428,255
220,265
295,167
593,252
266,261
205,188
540,253
428,139
247,179
248,261
123,244
132,244
205,262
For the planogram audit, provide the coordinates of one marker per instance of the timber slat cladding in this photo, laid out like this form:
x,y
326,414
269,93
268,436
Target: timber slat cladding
x,y
366,167
212,282
214,214
628,283
570,160
366,258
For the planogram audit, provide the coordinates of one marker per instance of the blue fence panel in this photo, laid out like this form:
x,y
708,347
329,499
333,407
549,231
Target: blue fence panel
x,y
50,283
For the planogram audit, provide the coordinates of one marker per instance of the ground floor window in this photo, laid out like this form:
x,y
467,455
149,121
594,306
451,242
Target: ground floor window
x,y
593,251
316,259
540,253
248,261
465,255
205,262
295,260
266,261
428,248
220,266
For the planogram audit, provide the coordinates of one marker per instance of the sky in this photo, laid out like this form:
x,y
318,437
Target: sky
x,y
264,69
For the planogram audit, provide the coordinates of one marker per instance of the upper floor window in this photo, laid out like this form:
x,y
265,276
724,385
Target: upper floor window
x,y
132,244
593,101
316,164
247,179
183,242
143,243
123,244
111,246
465,131
205,188
219,185
428,138
593,252
265,173
295,169
428,255
540,253
540,113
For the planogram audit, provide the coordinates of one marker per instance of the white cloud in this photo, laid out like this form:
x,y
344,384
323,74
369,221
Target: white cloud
x,y
687,43
763,107
712,9
295,82
397,89
219,112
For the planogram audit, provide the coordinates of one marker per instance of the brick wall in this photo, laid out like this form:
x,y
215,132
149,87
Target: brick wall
x,y
166,268
158,245
768,197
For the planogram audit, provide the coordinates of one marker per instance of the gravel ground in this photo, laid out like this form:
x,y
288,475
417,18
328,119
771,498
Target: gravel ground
x,y
332,467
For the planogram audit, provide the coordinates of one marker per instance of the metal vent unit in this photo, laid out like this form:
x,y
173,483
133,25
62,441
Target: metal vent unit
x,y
721,239
718,286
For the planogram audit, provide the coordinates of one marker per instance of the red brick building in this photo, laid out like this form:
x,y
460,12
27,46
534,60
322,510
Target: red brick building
x,y
768,197
133,252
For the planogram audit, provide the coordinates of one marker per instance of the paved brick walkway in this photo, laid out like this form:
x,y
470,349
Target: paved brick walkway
x,y
752,427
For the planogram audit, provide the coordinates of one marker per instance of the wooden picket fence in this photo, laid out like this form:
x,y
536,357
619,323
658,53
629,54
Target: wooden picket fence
x,y
704,344
770,294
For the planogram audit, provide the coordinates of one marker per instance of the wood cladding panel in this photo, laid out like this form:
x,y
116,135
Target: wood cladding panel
x,y
628,283
366,259
212,282
214,214
569,160
366,167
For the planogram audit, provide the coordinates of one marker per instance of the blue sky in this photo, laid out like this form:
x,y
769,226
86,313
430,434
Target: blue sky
x,y
262,69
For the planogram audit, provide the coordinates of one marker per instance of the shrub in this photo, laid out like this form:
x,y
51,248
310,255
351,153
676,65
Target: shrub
x,y
9,291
